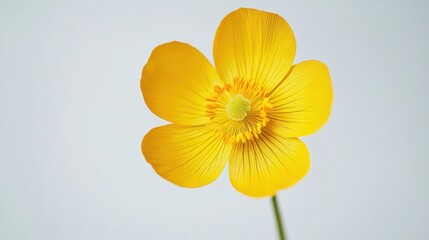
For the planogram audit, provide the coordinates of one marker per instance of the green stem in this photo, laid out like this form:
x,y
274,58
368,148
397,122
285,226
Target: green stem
x,y
282,235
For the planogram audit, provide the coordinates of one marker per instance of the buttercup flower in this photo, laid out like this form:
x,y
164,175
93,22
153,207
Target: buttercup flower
x,y
247,112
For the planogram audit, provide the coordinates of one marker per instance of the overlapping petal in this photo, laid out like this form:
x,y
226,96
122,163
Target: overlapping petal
x,y
260,168
255,46
186,156
302,102
176,81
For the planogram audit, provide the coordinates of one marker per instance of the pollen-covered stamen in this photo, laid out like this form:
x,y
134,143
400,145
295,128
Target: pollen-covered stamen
x,y
237,107
238,111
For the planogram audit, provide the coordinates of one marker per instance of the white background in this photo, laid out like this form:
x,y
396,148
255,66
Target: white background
x,y
72,118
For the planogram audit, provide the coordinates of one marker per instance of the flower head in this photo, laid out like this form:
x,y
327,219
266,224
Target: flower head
x,y
248,112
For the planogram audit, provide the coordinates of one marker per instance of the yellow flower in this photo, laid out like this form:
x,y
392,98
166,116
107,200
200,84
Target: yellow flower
x,y
248,111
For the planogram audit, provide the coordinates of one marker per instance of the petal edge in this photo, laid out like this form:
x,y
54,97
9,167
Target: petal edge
x,y
254,45
262,167
175,82
302,101
186,156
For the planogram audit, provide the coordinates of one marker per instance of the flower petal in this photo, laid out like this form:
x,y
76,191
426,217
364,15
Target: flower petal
x,y
175,82
302,102
259,168
186,156
254,45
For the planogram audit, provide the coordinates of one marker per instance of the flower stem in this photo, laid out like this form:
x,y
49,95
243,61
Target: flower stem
x,y
282,235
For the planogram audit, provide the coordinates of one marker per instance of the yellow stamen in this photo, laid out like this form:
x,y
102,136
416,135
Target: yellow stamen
x,y
238,111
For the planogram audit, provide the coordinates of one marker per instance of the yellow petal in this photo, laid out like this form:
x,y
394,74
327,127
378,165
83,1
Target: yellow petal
x,y
186,156
175,82
254,45
302,102
260,168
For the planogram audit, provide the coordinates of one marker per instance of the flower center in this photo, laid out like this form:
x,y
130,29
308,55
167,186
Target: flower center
x,y
237,107
238,111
